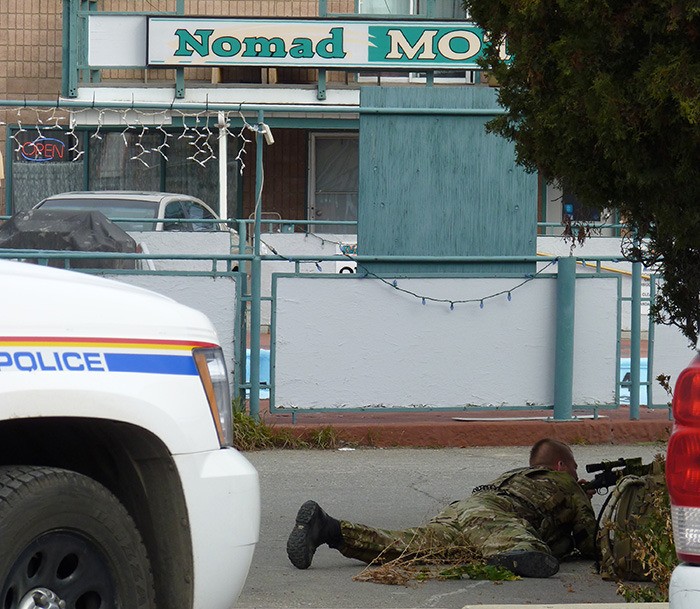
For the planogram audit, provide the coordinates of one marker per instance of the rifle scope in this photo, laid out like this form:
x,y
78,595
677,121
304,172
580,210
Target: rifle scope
x,y
605,465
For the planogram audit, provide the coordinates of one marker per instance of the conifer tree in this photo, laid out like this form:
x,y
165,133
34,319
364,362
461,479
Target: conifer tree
x,y
603,98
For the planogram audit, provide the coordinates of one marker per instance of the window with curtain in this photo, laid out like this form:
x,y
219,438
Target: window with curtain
x,y
335,178
186,176
44,163
441,9
112,166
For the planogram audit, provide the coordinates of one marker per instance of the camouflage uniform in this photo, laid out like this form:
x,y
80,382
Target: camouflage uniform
x,y
524,509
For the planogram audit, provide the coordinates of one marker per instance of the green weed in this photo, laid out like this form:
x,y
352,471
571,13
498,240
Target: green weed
x,y
478,570
251,434
326,437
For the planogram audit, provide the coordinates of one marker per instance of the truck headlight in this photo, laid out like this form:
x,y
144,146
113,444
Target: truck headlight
x,y
212,370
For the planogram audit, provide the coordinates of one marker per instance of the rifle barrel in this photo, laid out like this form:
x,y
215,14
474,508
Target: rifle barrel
x,y
606,465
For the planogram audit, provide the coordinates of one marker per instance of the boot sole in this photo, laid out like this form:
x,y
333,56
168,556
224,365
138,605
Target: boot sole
x,y
298,550
527,564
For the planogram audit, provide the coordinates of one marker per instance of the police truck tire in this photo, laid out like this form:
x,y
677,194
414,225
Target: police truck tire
x,y
65,536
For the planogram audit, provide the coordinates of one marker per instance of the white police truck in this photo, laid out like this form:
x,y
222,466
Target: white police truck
x,y
683,479
119,486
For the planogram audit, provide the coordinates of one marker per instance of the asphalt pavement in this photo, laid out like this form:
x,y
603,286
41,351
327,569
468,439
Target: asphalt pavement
x,y
395,488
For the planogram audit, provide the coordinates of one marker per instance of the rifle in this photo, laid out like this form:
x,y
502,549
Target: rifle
x,y
612,471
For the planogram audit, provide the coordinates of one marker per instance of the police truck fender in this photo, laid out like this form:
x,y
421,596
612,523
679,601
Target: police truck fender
x,y
119,486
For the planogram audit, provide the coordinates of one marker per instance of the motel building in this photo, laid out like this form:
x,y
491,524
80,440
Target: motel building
x,y
318,73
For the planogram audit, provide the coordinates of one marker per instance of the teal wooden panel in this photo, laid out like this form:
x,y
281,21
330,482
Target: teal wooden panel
x,y
440,185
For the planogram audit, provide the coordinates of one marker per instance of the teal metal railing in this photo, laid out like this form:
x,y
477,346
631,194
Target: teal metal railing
x,y
252,298
566,281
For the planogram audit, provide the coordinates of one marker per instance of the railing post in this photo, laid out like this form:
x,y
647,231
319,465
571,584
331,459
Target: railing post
x,y
635,340
65,53
321,79
255,280
180,72
223,164
71,75
564,348
242,312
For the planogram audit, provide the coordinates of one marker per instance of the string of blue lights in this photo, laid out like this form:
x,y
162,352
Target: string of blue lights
x,y
424,298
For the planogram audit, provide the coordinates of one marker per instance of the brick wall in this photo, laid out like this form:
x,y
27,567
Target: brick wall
x,y
31,39
31,50
30,56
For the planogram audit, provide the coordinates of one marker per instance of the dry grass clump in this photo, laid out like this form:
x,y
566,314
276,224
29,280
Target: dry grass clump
x,y
454,562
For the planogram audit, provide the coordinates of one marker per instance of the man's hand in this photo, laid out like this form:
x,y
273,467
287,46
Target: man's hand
x,y
590,492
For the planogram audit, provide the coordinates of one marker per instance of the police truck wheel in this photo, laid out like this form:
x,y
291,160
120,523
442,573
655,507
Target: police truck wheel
x,y
65,537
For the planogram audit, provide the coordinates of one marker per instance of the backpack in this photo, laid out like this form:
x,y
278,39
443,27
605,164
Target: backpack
x,y
628,509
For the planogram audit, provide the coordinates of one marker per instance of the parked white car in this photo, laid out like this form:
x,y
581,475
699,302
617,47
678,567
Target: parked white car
x,y
683,478
119,485
159,211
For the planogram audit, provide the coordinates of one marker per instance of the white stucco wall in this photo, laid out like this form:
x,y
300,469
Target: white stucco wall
x,y
343,341
326,245
672,353
348,342
216,298
602,246
297,244
175,242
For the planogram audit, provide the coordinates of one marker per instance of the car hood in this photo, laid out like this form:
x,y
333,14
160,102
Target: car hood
x,y
41,301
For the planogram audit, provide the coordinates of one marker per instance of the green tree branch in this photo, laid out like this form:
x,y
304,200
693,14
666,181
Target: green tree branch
x,y
603,98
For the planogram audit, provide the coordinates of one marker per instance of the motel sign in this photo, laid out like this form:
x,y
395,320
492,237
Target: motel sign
x,y
315,43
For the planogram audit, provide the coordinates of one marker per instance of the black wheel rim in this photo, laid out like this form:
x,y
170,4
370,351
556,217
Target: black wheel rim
x,y
66,563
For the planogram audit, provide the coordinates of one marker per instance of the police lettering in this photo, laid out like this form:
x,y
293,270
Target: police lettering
x,y
52,361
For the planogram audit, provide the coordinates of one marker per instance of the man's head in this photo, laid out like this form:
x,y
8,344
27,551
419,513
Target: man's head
x,y
555,455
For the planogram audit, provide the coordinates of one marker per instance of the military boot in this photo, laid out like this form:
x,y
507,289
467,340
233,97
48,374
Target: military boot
x,y
313,528
526,563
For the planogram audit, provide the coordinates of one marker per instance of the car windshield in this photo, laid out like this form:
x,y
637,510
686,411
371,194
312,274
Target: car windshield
x,y
141,211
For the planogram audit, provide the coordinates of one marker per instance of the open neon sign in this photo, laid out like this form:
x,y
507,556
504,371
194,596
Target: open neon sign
x,y
43,149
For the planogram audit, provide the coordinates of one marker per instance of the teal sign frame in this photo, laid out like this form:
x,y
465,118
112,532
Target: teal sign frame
x,y
315,43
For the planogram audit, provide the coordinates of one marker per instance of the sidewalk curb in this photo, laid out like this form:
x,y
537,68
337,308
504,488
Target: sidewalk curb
x,y
567,606
433,430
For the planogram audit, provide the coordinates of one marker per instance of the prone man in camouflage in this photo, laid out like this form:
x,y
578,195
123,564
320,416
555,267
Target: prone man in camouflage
x,y
526,521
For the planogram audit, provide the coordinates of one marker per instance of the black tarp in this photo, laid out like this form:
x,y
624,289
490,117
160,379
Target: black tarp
x,y
77,231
